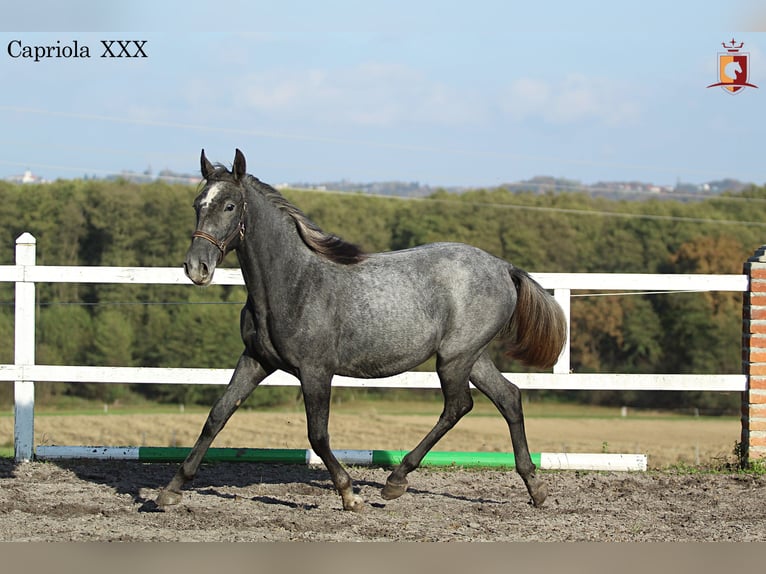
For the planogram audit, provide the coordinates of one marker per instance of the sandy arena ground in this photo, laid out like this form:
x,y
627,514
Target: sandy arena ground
x,y
113,501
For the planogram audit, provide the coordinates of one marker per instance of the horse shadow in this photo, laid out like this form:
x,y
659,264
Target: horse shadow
x,y
142,480
7,468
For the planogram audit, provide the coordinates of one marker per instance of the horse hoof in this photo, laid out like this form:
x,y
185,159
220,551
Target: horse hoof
x,y
168,498
356,504
393,490
539,493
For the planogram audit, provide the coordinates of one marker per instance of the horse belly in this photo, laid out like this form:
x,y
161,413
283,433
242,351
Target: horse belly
x,y
386,349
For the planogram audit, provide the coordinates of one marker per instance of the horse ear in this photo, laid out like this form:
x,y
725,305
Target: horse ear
x,y
238,170
205,166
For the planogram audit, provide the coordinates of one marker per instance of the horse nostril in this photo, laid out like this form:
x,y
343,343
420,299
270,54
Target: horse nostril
x,y
204,270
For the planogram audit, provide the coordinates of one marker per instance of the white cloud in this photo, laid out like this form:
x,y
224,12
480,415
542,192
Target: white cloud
x,y
575,98
370,94
383,95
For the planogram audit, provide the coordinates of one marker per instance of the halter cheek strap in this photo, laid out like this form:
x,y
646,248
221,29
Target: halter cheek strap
x,y
223,244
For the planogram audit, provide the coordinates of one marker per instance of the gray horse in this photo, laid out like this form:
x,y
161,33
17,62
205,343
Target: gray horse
x,y
318,306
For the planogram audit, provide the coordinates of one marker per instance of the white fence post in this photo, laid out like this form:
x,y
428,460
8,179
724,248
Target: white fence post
x,y
24,391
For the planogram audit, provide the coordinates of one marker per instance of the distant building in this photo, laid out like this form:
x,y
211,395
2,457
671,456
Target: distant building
x,y
26,177
147,176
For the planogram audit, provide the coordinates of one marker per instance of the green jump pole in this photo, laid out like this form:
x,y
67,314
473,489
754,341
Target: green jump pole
x,y
551,461
468,459
301,456
269,455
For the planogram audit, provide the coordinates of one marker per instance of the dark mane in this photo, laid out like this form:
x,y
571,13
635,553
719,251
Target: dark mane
x,y
325,244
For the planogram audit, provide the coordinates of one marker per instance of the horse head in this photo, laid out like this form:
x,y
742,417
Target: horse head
x,y
732,70
221,209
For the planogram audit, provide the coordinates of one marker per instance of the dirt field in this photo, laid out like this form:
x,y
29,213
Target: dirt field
x,y
110,501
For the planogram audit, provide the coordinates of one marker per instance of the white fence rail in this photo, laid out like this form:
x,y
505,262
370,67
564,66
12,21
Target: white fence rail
x,y
24,372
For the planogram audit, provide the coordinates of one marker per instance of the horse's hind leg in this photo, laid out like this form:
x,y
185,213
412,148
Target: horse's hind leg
x,y
457,403
316,398
507,398
247,375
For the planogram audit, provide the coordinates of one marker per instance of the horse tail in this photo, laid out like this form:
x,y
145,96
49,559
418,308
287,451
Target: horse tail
x,y
538,326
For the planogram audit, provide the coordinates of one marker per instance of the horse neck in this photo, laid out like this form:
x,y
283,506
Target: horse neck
x,y
272,253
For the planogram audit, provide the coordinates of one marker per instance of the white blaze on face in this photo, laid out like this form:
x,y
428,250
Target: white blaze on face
x,y
211,194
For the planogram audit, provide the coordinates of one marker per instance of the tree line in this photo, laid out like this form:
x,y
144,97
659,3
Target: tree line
x,y
120,223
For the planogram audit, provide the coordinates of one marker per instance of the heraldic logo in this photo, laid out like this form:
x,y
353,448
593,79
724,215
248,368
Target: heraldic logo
x,y
733,68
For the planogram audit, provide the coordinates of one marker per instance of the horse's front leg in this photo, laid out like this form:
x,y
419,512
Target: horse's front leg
x,y
316,398
247,375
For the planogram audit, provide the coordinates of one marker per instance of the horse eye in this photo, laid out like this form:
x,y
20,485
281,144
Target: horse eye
x,y
229,207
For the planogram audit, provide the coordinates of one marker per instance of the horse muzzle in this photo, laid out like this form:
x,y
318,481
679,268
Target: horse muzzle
x,y
199,267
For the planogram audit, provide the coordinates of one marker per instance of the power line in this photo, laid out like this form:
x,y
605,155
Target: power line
x,y
240,303
632,293
125,303
569,211
343,141
564,210
621,214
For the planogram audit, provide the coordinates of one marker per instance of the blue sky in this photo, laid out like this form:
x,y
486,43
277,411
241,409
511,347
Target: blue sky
x,y
445,93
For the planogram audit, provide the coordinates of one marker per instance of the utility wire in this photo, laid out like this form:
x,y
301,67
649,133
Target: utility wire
x,y
281,135
239,303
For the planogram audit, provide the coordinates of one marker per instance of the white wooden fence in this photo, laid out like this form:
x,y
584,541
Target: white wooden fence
x,y
24,371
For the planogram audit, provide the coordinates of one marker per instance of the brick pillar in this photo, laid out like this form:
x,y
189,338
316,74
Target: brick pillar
x,y
753,444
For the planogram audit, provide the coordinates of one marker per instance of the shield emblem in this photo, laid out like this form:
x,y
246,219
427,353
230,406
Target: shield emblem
x,y
733,69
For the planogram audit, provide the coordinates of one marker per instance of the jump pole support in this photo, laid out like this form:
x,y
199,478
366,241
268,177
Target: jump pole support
x,y
545,461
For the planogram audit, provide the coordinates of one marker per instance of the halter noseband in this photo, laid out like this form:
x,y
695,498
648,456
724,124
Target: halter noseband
x,y
223,243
